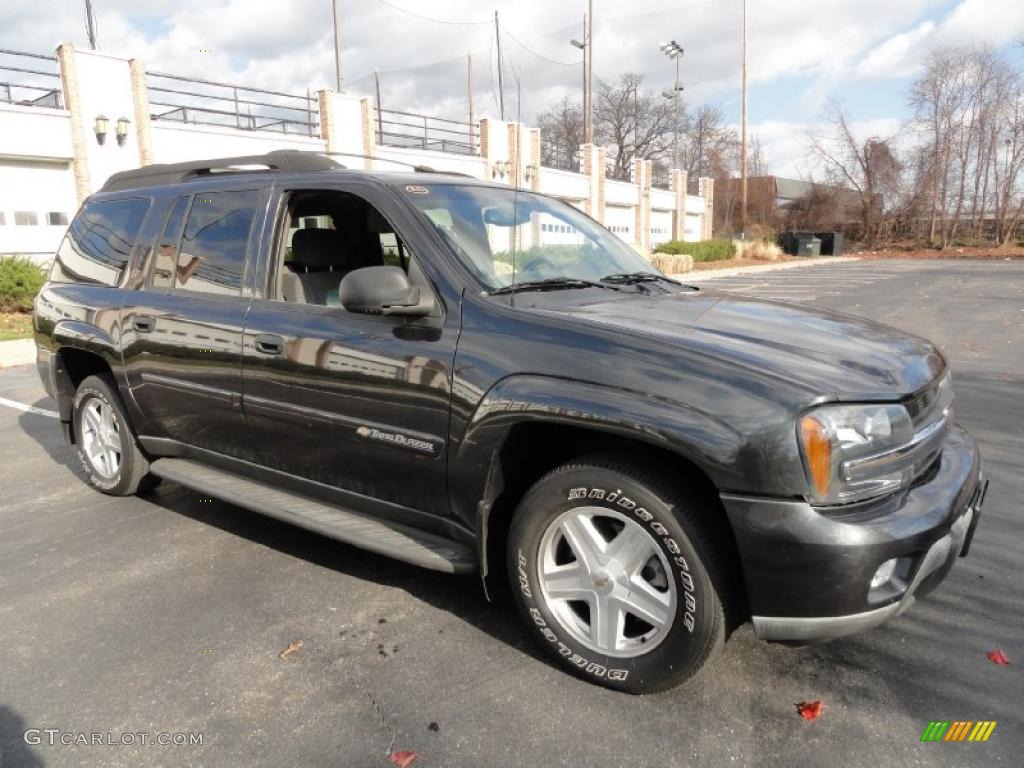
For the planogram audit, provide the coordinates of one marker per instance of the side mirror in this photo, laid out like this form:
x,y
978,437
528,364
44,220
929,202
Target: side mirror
x,y
383,290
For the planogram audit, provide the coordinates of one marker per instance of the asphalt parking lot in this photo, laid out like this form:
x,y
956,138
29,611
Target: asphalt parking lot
x,y
166,613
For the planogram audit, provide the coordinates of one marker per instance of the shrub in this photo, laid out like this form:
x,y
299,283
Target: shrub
x,y
20,281
760,250
705,250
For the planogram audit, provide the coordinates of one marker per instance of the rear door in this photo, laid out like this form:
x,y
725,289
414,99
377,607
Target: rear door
x,y
356,402
183,328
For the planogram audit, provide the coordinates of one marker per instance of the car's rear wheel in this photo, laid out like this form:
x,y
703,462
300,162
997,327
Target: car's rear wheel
x,y
619,574
105,443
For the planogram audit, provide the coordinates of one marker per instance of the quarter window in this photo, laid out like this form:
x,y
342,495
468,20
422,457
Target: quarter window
x,y
213,248
99,241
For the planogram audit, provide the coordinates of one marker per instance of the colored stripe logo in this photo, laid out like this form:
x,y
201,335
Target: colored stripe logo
x,y
958,730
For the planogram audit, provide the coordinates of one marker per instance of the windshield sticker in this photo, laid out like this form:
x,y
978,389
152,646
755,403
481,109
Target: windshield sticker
x,y
415,190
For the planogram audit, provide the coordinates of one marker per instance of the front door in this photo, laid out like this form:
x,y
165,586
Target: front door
x,y
183,330
353,401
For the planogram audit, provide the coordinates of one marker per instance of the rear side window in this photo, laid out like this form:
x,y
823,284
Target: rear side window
x,y
167,250
212,254
99,241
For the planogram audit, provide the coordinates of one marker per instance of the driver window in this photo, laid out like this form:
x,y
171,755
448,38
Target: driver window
x,y
326,235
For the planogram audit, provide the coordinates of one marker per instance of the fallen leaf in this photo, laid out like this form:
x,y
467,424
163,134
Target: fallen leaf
x,y
292,648
403,758
810,710
998,657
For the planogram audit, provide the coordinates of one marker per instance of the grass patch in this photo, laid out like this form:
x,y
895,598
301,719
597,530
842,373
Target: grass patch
x,y
705,250
15,325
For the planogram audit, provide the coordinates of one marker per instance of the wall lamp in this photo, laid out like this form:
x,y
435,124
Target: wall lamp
x,y
99,127
121,130
530,172
501,168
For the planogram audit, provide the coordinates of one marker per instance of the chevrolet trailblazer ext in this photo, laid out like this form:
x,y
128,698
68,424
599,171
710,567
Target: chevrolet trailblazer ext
x,y
474,378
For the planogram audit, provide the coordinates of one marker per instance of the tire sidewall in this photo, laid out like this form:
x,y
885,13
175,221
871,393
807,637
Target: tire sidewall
x,y
693,630
86,392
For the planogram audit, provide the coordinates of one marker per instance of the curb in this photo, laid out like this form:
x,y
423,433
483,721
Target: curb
x,y
757,268
17,352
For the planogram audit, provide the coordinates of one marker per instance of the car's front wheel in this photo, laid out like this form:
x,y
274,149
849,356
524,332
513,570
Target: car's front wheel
x,y
619,574
104,440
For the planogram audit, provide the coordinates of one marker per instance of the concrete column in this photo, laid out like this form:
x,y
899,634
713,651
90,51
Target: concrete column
x,y
366,109
341,126
73,104
515,148
98,84
140,102
535,159
706,188
588,163
602,176
642,216
645,235
678,186
494,149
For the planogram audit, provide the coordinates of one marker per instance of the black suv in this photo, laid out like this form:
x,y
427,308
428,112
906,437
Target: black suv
x,y
475,378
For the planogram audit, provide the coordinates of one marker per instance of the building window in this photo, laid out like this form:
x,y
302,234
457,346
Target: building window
x,y
25,218
56,219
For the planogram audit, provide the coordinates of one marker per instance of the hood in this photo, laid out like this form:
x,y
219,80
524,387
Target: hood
x,y
832,354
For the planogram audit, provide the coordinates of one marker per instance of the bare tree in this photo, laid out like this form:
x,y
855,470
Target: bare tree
x,y
869,167
632,123
561,128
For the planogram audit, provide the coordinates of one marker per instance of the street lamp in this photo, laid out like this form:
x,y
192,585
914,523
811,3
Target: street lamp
x,y
673,50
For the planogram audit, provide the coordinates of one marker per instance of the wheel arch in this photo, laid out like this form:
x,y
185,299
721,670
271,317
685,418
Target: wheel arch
x,y
528,425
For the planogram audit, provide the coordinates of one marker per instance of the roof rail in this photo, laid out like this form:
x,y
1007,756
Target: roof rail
x,y
416,168
175,173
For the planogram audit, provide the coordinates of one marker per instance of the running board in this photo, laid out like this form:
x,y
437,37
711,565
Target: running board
x,y
385,538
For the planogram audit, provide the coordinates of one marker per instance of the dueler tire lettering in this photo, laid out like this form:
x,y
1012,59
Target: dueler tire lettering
x,y
675,524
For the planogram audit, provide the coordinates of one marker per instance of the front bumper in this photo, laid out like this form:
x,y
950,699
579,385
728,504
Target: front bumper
x,y
808,570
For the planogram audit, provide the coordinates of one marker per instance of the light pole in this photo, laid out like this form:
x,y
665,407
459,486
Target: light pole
x,y
588,68
673,50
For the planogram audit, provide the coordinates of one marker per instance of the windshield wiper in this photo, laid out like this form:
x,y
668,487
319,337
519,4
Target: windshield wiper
x,y
629,278
551,284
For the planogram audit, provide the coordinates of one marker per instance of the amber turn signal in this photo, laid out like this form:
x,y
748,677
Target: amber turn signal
x,y
818,451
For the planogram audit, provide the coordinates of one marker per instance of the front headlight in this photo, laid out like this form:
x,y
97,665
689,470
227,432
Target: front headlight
x,y
847,451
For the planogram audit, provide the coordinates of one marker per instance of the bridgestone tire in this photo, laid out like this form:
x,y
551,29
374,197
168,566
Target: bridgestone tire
x,y
671,517
132,474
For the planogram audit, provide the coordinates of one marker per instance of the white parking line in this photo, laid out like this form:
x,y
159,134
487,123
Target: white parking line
x,y
28,408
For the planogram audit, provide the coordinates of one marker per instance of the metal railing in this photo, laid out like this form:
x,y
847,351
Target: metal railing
x,y
661,178
554,155
406,129
207,102
29,86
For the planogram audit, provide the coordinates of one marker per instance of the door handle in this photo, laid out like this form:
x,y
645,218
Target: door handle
x,y
143,323
269,344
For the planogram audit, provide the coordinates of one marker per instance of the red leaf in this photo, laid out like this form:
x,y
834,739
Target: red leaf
x,y
810,710
403,758
998,657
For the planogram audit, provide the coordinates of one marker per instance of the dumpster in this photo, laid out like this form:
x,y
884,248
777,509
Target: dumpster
x,y
831,243
808,245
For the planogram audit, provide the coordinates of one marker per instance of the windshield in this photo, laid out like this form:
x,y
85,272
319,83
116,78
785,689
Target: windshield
x,y
506,238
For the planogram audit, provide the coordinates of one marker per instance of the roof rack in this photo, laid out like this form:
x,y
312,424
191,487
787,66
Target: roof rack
x,y
175,173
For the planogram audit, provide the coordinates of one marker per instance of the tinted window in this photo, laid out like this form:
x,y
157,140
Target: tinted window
x,y
212,255
99,241
167,252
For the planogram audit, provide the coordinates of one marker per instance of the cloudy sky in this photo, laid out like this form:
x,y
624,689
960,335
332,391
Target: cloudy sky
x,y
802,52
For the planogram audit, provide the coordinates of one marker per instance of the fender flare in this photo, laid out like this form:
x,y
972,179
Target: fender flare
x,y
75,334
705,441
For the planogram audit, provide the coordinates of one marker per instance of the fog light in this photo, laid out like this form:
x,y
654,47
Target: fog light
x,y
884,573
